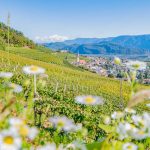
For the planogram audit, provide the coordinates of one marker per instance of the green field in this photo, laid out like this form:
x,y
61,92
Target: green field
x,y
63,84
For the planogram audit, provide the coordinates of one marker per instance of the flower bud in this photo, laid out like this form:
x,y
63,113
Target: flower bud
x,y
117,61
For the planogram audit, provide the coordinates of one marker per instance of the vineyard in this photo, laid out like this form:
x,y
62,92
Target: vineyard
x,y
58,90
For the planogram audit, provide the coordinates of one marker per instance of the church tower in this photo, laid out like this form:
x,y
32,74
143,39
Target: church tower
x,y
78,57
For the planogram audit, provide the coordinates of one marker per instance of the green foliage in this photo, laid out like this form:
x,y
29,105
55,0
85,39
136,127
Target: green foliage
x,y
17,38
107,128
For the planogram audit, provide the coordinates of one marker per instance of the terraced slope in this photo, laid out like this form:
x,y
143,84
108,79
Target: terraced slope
x,y
69,76
63,84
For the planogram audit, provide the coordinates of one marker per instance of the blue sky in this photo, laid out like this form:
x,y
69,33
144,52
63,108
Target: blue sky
x,y
58,19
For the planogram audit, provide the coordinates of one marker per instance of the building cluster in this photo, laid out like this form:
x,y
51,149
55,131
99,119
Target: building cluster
x,y
104,66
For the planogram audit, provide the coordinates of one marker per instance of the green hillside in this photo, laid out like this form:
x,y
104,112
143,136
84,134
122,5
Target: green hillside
x,y
17,38
54,63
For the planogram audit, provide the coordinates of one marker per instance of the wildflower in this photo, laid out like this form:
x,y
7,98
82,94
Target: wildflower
x,y
76,145
16,88
23,129
130,111
51,146
137,119
33,70
9,140
117,61
107,120
146,117
126,130
142,121
47,147
62,123
122,130
117,115
6,75
89,100
129,146
16,122
26,131
139,134
136,65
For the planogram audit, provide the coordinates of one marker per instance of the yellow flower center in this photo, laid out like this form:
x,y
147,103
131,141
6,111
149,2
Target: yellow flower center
x,y
60,123
34,68
130,147
117,61
142,123
140,132
8,140
136,66
132,126
13,85
24,131
89,100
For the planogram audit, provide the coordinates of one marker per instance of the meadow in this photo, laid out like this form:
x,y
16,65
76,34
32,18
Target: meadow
x,y
56,96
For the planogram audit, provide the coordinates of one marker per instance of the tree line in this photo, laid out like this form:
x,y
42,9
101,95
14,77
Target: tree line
x,y
16,38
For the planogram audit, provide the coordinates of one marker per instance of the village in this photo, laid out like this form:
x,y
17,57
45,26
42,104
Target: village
x,y
105,66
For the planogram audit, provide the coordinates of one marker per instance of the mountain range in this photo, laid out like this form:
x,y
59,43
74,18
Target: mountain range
x,y
126,45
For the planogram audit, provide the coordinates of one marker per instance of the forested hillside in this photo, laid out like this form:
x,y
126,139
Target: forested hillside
x,y
16,38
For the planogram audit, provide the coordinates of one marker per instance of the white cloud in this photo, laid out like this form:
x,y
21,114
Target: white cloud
x,y
52,38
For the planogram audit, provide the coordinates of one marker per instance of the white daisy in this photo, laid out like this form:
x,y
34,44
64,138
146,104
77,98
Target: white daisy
x,y
130,111
107,120
129,146
117,61
76,145
33,131
117,115
26,131
148,105
126,130
48,147
137,65
146,116
9,140
122,130
62,123
142,121
33,70
51,146
16,122
139,134
89,100
6,75
136,119
16,88
23,129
